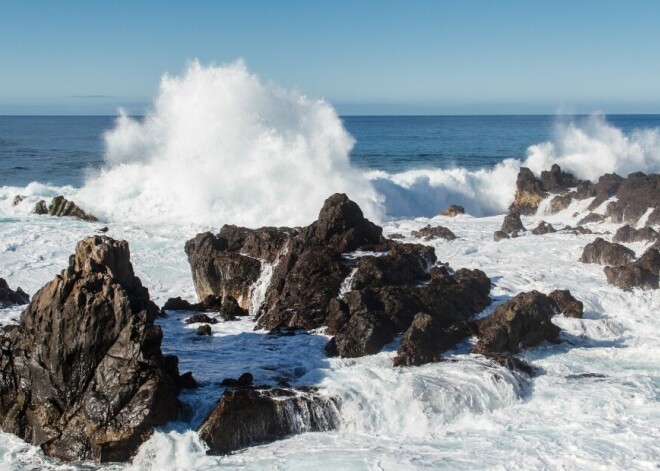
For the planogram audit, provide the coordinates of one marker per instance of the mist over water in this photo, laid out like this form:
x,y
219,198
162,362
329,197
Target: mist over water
x,y
222,146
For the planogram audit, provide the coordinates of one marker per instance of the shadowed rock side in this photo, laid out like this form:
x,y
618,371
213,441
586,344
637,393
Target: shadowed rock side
x,y
438,232
628,234
60,206
606,253
83,375
246,416
9,297
642,273
567,304
635,195
524,321
310,287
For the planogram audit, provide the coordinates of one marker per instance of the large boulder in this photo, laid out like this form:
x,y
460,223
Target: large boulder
x,y
543,228
246,416
512,225
523,321
628,234
529,193
566,303
607,186
10,297
83,376
606,253
635,196
557,181
642,273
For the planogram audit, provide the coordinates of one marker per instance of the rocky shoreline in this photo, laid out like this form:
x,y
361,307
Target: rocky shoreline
x,y
84,377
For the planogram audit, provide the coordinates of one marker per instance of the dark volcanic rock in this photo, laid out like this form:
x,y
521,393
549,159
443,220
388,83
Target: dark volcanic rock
x,y
499,235
628,234
524,321
513,363
567,304
83,373
606,187
204,329
9,296
230,309
60,206
636,194
543,228
40,207
577,230
512,225
560,202
557,181
631,276
245,417
426,339
606,253
592,217
178,304
529,193
453,211
201,319
437,232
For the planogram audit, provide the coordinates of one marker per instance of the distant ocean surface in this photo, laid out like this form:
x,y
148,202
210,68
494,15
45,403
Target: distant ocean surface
x,y
60,150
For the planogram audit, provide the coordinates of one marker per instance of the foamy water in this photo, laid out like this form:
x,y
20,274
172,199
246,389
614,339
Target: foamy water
x,y
222,146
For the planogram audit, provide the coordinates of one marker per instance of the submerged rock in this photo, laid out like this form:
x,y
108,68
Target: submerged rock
x,y
204,329
437,232
543,228
245,417
10,297
83,374
201,319
606,253
453,211
590,218
18,199
524,321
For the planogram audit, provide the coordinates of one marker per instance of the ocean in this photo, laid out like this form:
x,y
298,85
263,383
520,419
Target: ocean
x,y
270,157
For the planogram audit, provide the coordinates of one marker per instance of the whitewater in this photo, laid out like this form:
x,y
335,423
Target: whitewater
x,y
222,146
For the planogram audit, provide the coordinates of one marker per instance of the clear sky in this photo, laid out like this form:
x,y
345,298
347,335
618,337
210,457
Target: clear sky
x,y
365,57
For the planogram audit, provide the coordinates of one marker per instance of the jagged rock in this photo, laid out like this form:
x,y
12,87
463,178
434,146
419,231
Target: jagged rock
x,y
83,373
636,194
585,189
9,297
178,304
631,276
430,233
453,211
650,260
40,207
60,206
18,199
529,193
201,319
567,304
230,309
592,217
607,186
606,253
396,236
499,235
203,329
560,202
511,362
426,339
628,234
556,181
524,321
245,417
543,228
654,218
512,225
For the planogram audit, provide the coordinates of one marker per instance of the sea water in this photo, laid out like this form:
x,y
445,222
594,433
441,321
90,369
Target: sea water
x,y
222,146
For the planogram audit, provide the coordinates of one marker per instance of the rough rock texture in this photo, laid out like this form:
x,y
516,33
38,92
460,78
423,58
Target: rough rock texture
x,y
543,228
60,206
437,232
340,272
529,193
201,319
560,202
83,375
567,304
577,230
453,211
640,274
245,417
230,309
606,253
607,186
499,235
628,234
10,297
557,181
203,329
512,225
524,321
636,194
593,217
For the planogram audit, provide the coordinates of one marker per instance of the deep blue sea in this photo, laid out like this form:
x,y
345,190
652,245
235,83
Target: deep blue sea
x,y
60,149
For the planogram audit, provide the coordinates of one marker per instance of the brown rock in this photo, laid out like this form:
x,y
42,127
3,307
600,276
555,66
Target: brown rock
x,y
453,211
437,232
9,297
567,304
529,193
628,234
606,253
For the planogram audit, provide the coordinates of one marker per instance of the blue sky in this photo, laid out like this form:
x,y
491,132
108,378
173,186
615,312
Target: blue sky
x,y
365,57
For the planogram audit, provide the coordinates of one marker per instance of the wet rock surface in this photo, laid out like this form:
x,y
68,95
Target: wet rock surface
x,y
543,228
529,193
9,297
606,253
512,225
246,416
567,304
60,206
83,374
453,211
642,273
524,321
438,232
628,234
